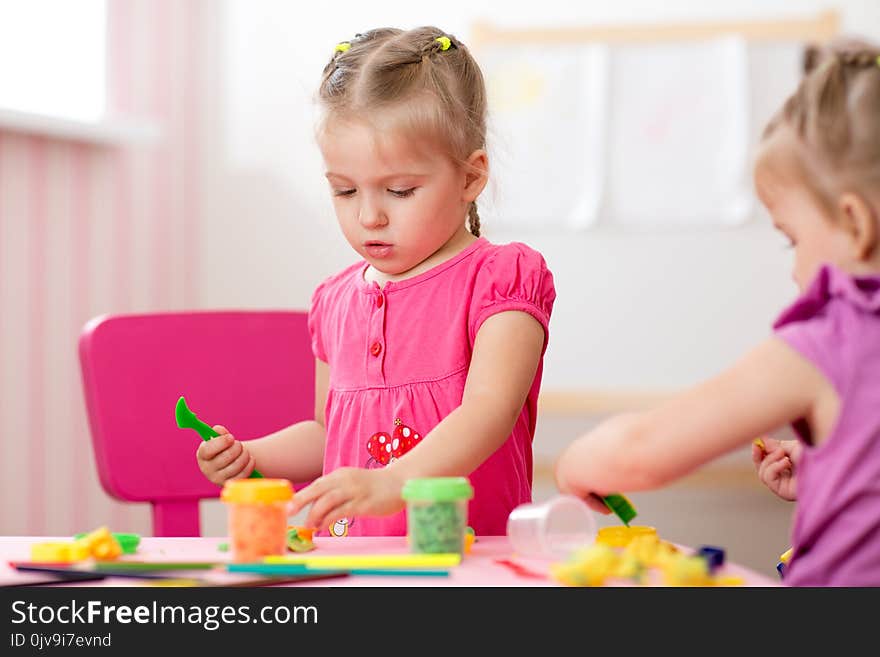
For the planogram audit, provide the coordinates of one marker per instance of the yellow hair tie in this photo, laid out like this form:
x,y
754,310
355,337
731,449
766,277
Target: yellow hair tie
x,y
444,42
342,47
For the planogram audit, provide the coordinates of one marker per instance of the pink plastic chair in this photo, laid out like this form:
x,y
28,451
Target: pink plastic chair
x,y
251,371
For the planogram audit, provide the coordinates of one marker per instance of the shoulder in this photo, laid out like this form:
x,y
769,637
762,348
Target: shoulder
x,y
514,254
337,283
835,323
832,296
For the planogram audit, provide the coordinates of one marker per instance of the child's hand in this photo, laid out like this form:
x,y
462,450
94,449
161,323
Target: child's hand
x,y
347,493
776,465
223,457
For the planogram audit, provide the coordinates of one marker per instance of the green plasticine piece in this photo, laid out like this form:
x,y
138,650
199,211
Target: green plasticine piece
x,y
186,419
621,507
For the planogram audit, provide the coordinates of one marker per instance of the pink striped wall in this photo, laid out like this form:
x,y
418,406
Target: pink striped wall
x,y
87,230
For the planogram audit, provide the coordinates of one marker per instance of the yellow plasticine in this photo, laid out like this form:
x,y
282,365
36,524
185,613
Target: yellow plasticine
x,y
729,580
621,535
588,567
760,443
50,552
687,571
785,556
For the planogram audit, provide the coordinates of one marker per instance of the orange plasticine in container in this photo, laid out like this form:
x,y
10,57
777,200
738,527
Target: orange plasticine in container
x,y
257,517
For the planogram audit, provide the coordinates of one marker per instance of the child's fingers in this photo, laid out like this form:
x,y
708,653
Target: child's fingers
x,y
331,517
305,495
770,459
220,429
775,470
757,455
209,449
325,506
596,504
771,444
236,465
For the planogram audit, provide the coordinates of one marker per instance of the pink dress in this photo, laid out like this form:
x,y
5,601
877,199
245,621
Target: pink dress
x,y
399,357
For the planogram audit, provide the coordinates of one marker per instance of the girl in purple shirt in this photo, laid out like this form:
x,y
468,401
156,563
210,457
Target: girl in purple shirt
x,y
429,349
818,174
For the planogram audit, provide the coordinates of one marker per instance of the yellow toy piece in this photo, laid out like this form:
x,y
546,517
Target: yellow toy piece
x,y
621,535
785,556
687,571
588,567
101,544
650,550
59,552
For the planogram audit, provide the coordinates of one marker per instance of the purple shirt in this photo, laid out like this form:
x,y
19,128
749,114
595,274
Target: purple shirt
x,y
399,358
835,325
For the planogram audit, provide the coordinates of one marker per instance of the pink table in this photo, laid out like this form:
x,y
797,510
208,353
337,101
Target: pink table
x,y
479,568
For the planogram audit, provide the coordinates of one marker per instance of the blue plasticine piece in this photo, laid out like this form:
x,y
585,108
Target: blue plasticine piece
x,y
714,556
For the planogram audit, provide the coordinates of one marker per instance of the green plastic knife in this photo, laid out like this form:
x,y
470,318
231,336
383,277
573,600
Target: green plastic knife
x,y
186,419
621,507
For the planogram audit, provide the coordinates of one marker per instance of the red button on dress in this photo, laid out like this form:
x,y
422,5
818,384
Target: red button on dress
x,y
379,301
376,348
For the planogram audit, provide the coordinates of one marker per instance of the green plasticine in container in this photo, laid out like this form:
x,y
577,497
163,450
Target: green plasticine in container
x,y
436,510
186,419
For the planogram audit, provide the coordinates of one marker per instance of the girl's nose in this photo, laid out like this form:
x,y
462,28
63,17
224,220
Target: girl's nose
x,y
372,215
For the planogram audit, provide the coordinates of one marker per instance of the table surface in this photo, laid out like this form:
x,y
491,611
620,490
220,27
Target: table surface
x,y
480,567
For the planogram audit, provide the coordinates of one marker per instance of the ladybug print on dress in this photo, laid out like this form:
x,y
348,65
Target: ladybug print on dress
x,y
383,448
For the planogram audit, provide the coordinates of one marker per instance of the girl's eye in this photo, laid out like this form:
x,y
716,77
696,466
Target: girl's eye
x,y
403,193
343,192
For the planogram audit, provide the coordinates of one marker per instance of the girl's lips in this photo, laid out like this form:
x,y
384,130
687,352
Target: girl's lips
x,y
378,250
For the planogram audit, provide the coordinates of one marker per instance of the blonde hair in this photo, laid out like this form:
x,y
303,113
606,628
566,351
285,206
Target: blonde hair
x,y
835,115
424,80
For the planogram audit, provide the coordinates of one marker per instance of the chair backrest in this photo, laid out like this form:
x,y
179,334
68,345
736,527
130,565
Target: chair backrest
x,y
251,371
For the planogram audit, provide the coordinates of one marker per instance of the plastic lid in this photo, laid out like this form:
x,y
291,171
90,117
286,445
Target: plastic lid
x,y
438,489
257,490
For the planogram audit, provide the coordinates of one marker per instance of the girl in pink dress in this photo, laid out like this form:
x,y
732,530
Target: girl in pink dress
x,y
429,348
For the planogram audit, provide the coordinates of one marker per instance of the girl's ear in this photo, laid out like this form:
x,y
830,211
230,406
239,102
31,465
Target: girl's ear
x,y
476,169
860,221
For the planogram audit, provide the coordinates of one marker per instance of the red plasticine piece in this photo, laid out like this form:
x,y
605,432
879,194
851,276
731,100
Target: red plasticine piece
x,y
519,569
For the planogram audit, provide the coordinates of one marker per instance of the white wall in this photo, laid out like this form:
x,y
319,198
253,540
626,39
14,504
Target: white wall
x,y
637,311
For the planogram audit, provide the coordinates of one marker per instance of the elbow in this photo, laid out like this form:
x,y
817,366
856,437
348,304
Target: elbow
x,y
614,457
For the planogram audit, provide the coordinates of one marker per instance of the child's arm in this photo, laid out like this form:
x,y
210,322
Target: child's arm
x,y
295,452
506,353
770,386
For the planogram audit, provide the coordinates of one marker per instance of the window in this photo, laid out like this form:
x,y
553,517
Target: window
x,y
53,58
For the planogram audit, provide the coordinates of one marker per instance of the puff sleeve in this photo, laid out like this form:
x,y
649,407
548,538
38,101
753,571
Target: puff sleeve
x,y
317,311
513,277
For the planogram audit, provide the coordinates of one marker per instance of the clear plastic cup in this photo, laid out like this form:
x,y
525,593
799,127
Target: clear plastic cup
x,y
551,529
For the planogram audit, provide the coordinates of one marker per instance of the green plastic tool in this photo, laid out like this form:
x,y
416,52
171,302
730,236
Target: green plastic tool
x,y
621,507
186,419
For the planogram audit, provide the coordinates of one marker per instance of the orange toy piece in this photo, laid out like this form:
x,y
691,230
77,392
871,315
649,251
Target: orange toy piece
x,y
299,539
257,517
101,544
